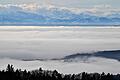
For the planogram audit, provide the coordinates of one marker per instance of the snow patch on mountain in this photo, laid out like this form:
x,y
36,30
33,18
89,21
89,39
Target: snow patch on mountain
x,y
36,14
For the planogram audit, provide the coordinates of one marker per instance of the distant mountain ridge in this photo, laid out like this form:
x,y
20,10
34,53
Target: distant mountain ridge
x,y
112,54
16,15
115,54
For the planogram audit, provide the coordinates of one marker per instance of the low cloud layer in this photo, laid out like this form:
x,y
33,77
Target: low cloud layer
x,y
21,43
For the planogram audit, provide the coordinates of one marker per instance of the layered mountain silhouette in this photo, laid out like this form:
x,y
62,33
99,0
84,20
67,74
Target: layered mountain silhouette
x,y
15,15
115,54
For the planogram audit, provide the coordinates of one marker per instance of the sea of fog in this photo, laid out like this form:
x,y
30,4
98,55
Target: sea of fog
x,y
29,42
55,42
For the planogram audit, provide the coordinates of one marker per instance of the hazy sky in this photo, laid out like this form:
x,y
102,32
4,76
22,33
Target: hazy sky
x,y
67,3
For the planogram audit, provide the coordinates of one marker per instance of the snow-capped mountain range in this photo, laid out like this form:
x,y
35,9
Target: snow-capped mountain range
x,y
51,15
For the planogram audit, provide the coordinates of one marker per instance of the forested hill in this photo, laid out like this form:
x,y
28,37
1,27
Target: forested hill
x,y
113,54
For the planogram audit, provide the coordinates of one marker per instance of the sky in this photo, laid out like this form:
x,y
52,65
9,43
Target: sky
x,y
67,3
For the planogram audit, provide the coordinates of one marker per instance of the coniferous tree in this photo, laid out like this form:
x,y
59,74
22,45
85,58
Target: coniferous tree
x,y
11,74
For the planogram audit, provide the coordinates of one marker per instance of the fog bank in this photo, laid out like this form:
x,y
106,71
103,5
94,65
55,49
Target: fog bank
x,y
55,42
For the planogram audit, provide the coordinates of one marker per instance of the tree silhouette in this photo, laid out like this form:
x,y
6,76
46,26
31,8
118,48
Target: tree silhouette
x,y
10,68
18,74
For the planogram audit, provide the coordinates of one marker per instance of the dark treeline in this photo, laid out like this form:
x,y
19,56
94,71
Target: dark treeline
x,y
11,74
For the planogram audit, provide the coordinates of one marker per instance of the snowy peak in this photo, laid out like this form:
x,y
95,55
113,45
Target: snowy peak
x,y
51,15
